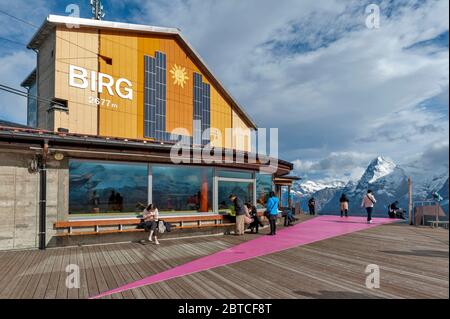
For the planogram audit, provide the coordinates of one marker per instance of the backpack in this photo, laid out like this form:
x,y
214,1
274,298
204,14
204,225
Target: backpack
x,y
168,227
161,227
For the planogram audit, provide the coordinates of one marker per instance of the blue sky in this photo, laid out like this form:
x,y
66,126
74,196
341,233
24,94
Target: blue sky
x,y
340,93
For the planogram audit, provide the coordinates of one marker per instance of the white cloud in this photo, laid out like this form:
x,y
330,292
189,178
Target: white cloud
x,y
312,69
339,92
342,166
16,62
13,69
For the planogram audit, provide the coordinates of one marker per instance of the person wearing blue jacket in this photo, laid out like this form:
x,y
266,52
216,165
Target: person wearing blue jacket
x,y
272,212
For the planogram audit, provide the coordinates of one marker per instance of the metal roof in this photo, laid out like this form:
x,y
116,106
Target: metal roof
x,y
53,20
18,132
8,124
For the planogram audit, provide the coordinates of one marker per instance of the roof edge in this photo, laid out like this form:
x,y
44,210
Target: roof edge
x,y
29,79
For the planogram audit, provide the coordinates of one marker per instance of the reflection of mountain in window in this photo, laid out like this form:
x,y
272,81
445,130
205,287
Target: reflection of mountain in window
x,y
96,187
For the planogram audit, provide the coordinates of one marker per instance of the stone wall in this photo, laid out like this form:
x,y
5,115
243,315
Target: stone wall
x,y
19,200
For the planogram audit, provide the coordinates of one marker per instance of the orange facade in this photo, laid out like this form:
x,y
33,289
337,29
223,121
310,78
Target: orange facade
x,y
121,55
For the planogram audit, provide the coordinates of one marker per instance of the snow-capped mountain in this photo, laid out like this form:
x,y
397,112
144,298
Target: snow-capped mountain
x,y
322,191
426,179
378,168
310,187
384,178
388,181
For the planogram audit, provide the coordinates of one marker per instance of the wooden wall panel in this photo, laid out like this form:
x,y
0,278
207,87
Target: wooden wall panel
x,y
241,134
127,50
118,117
46,79
78,47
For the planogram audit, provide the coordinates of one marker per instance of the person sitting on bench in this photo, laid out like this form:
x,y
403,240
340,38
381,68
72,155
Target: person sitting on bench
x,y
256,220
289,218
151,221
395,211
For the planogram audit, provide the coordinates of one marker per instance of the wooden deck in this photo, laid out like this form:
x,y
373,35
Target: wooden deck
x,y
414,264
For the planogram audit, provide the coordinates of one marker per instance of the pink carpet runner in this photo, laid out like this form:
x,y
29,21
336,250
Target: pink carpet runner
x,y
313,230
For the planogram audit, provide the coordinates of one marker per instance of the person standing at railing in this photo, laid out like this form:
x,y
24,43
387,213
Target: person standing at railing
x,y
312,206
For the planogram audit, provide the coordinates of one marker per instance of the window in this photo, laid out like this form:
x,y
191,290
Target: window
x,y
285,196
182,189
32,106
263,188
235,174
100,187
243,190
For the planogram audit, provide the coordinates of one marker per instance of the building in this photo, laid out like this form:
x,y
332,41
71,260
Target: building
x,y
108,104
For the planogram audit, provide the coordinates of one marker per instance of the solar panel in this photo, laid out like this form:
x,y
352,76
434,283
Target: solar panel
x,y
155,95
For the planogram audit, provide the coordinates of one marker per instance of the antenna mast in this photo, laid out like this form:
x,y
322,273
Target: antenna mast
x,y
98,12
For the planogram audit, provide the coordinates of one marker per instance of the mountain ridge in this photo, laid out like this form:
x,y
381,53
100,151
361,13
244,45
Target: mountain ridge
x,y
387,180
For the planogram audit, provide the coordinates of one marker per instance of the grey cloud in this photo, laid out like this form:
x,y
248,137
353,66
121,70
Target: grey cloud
x,y
344,92
437,154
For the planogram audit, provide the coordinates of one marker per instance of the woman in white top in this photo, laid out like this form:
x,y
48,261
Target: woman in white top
x,y
368,203
151,218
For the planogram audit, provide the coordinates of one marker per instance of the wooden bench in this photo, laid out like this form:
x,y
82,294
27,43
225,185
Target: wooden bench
x,y
435,224
124,225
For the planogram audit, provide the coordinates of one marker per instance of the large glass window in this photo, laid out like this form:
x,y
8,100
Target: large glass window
x,y
182,189
284,196
235,174
101,187
244,190
263,189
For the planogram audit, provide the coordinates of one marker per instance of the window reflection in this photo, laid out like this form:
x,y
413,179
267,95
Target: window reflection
x,y
284,196
182,189
244,190
263,189
235,174
97,187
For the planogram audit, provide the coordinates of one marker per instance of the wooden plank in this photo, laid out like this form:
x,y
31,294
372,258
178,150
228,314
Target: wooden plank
x,y
127,270
99,271
73,293
62,291
36,283
9,268
34,274
19,279
133,221
91,279
83,292
413,261
108,273
135,264
108,232
155,267
118,274
44,281
53,282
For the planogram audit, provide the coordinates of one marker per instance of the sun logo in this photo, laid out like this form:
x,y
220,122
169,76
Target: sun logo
x,y
179,75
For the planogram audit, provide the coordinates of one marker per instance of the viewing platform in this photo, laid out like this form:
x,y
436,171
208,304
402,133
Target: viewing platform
x,y
413,263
